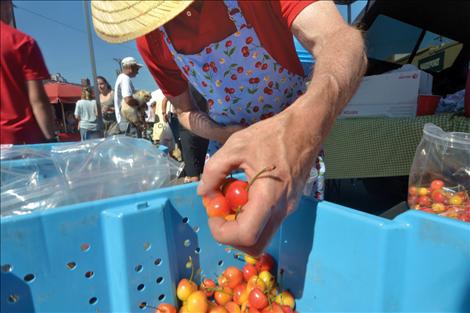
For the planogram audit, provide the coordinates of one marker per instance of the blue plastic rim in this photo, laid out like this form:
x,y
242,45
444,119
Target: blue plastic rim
x,y
126,254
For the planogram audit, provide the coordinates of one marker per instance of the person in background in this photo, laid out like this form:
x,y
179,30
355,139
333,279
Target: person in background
x,y
71,122
86,112
124,91
107,107
241,57
194,147
169,116
26,114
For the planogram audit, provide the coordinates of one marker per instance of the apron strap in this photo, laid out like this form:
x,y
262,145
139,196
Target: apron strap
x,y
235,13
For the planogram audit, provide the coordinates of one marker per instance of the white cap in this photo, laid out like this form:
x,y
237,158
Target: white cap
x,y
130,61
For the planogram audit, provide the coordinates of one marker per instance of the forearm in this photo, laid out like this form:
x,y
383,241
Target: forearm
x,y
197,121
41,107
340,65
202,125
43,114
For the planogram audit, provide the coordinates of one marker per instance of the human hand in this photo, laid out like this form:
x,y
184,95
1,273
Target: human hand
x,y
278,142
229,130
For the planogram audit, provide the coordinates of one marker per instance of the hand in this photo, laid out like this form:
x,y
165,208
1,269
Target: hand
x,y
229,130
278,141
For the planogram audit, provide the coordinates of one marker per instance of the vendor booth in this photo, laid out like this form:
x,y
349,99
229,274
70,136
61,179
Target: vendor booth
x,y
63,97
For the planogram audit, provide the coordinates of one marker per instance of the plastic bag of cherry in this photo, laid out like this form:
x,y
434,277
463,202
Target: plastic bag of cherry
x,y
439,180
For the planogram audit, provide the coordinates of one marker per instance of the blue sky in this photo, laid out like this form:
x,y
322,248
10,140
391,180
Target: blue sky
x,y
59,28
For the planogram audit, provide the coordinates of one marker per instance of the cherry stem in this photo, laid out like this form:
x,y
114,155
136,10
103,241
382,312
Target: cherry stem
x,y
264,170
192,268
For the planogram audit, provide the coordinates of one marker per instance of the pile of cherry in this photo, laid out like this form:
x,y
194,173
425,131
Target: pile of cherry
x,y
440,199
253,289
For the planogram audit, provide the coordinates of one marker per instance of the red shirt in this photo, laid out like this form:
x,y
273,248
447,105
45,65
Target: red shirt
x,y
21,60
194,29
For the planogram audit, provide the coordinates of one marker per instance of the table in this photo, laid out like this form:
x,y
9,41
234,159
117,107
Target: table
x,y
380,147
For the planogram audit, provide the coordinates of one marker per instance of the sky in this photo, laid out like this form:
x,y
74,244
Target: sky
x,y
59,27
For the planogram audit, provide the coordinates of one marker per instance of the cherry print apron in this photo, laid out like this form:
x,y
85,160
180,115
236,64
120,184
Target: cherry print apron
x,y
242,83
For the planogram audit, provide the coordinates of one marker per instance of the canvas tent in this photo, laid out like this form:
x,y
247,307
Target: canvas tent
x,y
63,94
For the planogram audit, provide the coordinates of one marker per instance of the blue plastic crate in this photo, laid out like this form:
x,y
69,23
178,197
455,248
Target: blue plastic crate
x,y
127,253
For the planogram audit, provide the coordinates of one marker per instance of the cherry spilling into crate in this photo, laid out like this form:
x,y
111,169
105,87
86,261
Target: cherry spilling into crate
x,y
251,289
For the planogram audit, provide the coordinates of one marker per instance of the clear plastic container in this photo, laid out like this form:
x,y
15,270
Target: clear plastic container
x,y
439,179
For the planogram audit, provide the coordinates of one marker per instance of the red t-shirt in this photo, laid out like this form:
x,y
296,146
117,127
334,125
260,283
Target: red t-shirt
x,y
21,60
193,30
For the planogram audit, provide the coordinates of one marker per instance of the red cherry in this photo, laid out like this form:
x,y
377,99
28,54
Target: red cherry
x,y
249,270
234,276
204,84
207,286
210,102
257,299
212,64
265,263
208,50
238,292
233,77
231,90
228,43
245,49
437,184
205,67
240,69
227,98
191,63
270,84
438,196
247,54
255,109
249,40
216,205
256,80
265,66
258,64
215,69
280,70
236,194
424,201
274,308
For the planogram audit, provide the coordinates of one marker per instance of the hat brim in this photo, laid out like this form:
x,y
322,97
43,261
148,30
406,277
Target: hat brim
x,y
120,21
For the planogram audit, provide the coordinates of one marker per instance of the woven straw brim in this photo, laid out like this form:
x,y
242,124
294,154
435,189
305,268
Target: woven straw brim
x,y
120,21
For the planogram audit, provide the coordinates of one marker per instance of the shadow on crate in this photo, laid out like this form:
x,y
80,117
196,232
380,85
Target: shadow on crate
x,y
18,301
295,246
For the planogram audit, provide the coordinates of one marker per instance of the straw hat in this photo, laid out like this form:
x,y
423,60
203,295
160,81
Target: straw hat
x,y
119,21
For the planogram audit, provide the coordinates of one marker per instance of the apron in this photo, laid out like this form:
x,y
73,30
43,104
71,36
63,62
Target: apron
x,y
242,83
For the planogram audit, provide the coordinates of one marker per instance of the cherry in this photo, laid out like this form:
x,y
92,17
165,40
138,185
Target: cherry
x,y
249,270
165,308
236,191
257,299
236,194
265,263
216,205
234,276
